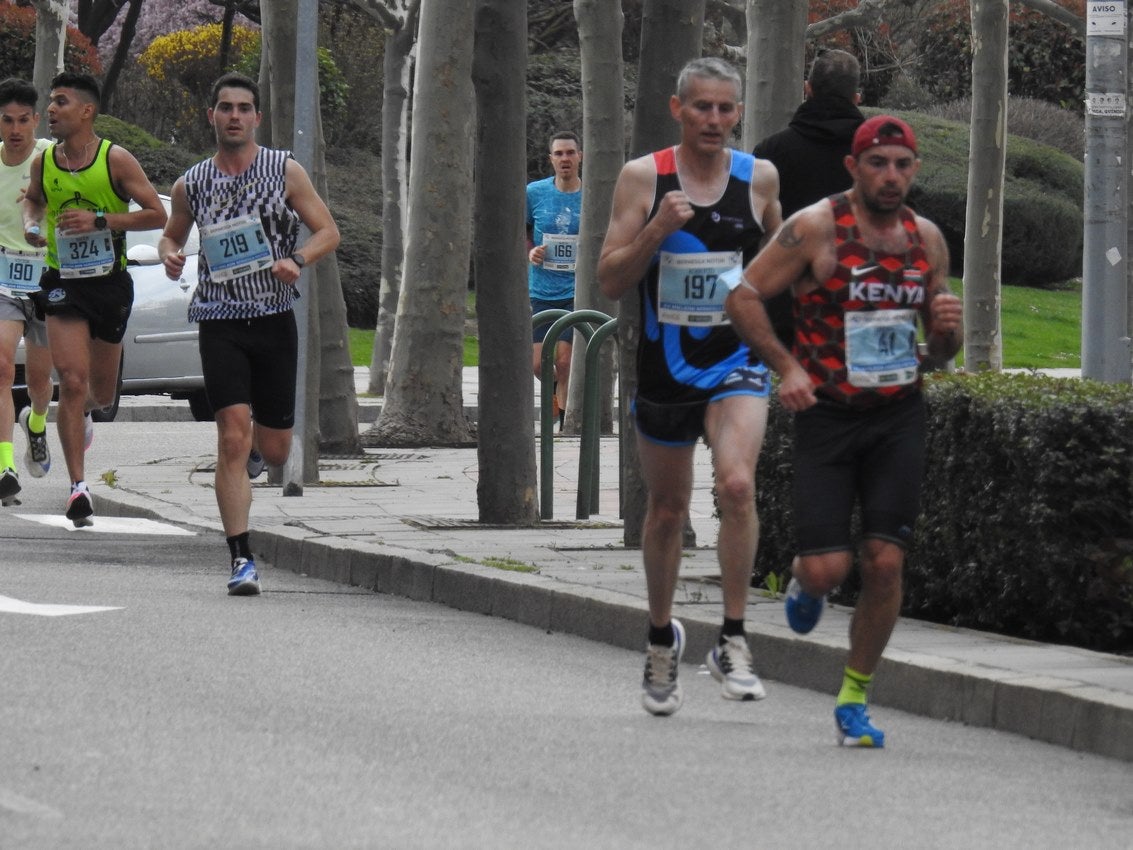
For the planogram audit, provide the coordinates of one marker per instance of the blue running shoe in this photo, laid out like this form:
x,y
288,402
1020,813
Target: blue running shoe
x,y
245,580
854,728
803,610
661,692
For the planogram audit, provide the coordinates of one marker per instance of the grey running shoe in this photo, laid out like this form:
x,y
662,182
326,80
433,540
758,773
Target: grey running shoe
x,y
661,692
256,465
37,458
731,665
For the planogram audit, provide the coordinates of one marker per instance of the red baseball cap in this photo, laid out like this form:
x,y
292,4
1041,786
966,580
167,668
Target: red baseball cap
x,y
883,130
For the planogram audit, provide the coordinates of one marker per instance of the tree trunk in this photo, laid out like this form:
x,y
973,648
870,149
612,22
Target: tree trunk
x,y
603,143
506,490
671,32
330,414
423,403
50,38
398,68
775,66
280,22
983,229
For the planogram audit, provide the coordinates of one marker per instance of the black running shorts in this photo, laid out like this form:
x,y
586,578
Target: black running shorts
x,y
873,456
253,362
104,302
683,424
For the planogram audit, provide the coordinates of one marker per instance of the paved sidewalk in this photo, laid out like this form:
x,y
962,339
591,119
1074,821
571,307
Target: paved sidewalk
x,y
403,521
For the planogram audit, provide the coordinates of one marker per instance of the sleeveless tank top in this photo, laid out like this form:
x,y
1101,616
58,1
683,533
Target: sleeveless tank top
x,y
684,363
856,333
89,188
257,195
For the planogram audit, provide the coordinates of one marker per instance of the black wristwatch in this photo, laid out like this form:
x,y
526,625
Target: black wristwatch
x,y
99,221
298,260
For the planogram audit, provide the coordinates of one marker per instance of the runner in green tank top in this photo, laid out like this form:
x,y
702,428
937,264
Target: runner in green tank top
x,y
77,205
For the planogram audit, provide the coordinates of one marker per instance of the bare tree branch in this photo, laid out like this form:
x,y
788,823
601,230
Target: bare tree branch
x,y
1058,13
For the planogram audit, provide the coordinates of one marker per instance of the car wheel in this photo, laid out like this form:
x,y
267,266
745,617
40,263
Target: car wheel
x,y
199,406
107,414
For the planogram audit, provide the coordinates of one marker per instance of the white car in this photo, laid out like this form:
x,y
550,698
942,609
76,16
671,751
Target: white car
x,y
159,351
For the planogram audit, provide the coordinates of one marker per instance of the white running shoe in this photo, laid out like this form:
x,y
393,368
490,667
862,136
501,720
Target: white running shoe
x,y
731,665
37,457
661,692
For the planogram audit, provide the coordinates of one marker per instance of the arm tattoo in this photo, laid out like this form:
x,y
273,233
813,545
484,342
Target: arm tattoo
x,y
788,237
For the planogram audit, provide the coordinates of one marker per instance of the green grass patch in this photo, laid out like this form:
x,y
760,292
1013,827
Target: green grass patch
x,y
1042,329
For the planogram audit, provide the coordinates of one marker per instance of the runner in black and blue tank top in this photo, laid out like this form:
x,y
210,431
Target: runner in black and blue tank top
x,y
686,352
685,219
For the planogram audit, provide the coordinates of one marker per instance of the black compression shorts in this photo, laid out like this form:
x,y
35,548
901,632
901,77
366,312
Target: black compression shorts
x,y
253,362
875,456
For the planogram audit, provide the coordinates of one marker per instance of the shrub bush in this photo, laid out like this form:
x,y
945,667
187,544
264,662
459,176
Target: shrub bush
x,y
17,34
1027,509
162,163
1046,59
1033,119
1042,201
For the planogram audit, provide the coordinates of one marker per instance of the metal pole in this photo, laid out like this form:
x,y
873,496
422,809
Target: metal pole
x,y
1105,339
303,147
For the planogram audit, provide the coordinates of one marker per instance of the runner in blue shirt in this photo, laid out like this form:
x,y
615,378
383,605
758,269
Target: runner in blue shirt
x,y
554,209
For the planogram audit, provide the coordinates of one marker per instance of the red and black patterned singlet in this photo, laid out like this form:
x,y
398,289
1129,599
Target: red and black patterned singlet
x,y
855,334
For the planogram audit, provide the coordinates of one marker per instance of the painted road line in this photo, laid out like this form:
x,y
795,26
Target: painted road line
x,y
112,525
8,605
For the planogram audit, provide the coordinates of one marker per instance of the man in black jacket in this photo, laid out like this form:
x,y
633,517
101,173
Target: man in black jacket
x,y
810,153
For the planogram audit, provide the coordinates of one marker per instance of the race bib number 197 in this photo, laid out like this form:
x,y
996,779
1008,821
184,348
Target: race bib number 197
x,y
689,288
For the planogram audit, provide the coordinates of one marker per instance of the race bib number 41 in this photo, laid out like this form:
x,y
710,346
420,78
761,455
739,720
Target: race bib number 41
x,y
881,348
235,248
689,289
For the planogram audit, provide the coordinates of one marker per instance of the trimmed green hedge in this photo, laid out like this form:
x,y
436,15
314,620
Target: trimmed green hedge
x,y
1027,509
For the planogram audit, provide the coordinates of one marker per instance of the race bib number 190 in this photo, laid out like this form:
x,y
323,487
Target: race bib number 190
x,y
20,270
235,248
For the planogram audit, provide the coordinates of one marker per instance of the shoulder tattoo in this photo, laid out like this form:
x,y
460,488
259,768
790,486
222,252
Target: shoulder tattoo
x,y
789,237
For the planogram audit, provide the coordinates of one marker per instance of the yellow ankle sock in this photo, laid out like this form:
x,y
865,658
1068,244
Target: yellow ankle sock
x,y
37,421
854,685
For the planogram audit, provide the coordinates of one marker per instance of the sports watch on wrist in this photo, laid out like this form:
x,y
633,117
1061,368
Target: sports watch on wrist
x,y
299,260
100,220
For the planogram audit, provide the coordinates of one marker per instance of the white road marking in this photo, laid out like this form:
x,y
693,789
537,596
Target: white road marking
x,y
8,605
111,525
10,801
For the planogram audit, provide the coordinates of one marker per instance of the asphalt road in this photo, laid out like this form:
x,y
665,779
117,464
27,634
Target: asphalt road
x,y
321,716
